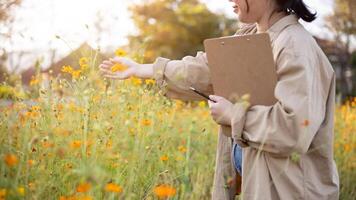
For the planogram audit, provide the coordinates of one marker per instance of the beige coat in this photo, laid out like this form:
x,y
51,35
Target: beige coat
x,y
287,147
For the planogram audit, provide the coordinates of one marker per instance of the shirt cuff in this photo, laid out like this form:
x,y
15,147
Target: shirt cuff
x,y
159,67
237,124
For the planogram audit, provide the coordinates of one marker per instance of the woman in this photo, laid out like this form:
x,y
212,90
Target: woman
x,y
287,148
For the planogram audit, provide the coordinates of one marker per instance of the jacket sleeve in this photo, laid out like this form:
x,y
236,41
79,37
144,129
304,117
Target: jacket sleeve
x,y
289,125
174,77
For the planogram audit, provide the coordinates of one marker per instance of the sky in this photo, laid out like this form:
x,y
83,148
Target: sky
x,y
38,22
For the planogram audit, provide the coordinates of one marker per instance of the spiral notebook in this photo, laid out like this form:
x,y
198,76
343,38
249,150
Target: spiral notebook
x,y
242,65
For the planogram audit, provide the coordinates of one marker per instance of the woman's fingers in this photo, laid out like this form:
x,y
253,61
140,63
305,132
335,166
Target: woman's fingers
x,y
107,62
122,75
116,60
210,103
105,66
105,71
124,61
116,75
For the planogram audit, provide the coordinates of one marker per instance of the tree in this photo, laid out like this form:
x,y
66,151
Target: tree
x,y
175,28
353,67
343,23
6,7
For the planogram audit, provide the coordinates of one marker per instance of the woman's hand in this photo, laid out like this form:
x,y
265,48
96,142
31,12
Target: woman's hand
x,y
222,110
133,69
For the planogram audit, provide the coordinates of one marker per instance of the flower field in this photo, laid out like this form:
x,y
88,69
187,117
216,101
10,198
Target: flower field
x,y
90,138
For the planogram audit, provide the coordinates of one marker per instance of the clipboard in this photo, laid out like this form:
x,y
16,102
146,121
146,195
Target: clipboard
x,y
242,64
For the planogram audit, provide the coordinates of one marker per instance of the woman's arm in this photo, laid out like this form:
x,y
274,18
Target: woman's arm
x,y
290,124
172,76
175,76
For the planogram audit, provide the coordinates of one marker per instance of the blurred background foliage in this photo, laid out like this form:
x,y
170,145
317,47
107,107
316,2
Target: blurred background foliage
x,y
174,29
167,28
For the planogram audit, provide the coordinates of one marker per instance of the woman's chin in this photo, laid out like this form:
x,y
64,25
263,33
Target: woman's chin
x,y
244,20
240,18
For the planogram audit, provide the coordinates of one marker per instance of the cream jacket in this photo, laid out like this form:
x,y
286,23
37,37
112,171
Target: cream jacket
x,y
288,146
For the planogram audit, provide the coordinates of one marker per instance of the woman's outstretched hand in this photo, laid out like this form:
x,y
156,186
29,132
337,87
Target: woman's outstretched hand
x,y
222,110
123,68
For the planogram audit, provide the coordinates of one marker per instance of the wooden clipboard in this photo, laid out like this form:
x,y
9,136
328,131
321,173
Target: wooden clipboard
x,y
242,65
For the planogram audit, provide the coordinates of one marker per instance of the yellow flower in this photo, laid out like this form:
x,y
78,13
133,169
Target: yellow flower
x,y
85,198
109,144
83,63
35,108
67,69
76,74
179,158
202,104
34,81
164,191
83,187
68,166
74,197
11,160
146,122
347,148
118,67
21,191
30,162
150,81
136,81
120,52
182,149
164,158
132,131
112,187
3,193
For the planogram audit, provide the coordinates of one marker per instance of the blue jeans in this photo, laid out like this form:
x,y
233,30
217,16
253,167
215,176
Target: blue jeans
x,y
237,158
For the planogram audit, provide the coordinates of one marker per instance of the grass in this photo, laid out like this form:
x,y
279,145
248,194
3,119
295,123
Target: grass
x,y
108,140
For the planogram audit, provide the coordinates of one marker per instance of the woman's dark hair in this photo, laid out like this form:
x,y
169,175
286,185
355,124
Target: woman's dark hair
x,y
297,7
293,6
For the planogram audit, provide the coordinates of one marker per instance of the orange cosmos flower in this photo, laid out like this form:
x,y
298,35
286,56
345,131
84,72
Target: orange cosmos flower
x,y
112,187
164,158
146,122
75,144
347,147
3,193
30,162
83,187
75,197
10,160
47,144
164,191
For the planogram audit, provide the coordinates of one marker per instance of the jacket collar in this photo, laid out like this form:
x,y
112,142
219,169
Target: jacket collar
x,y
281,24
